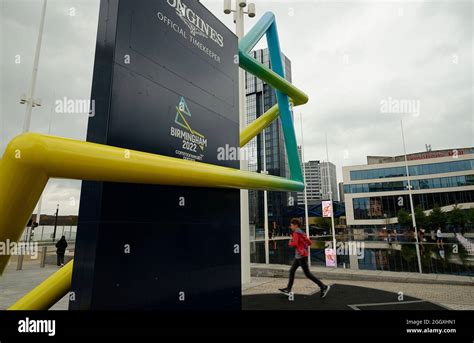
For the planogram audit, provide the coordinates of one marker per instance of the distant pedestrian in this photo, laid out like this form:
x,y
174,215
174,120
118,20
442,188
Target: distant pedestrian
x,y
421,239
61,246
439,238
300,242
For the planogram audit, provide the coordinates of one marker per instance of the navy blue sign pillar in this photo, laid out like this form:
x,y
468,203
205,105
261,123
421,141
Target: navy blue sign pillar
x,y
165,82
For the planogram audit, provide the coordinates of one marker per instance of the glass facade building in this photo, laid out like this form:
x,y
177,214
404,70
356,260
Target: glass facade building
x,y
434,183
426,169
375,193
379,206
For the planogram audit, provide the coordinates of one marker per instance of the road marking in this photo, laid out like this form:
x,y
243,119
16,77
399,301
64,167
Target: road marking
x,y
356,306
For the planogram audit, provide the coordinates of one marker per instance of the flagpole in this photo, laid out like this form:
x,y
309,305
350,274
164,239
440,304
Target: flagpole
x,y
332,204
413,218
30,100
305,191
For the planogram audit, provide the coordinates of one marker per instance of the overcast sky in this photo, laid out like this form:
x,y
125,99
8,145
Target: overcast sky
x,y
352,58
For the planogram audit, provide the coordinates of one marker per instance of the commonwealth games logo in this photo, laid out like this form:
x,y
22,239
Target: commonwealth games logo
x,y
191,138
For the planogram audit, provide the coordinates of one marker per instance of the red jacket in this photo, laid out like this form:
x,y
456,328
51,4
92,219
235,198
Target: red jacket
x,y
300,242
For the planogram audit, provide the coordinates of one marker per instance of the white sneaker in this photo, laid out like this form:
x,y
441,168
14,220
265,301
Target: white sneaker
x,y
325,291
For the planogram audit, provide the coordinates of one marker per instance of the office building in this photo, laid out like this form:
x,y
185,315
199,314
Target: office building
x,y
317,182
374,193
329,180
341,191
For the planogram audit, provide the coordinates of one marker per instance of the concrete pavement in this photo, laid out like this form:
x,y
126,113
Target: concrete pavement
x,y
448,291
277,270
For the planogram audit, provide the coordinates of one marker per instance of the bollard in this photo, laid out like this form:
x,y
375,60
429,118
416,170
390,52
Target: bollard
x,y
19,264
43,256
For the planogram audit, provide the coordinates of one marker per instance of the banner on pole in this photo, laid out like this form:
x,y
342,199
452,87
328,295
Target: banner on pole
x,y
327,209
330,258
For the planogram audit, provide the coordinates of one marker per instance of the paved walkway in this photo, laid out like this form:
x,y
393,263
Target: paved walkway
x,y
340,297
16,283
455,297
277,270
450,291
459,295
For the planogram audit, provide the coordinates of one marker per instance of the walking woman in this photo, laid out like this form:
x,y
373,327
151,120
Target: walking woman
x,y
300,242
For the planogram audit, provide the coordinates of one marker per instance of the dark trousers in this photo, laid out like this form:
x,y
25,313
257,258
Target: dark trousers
x,y
60,258
303,263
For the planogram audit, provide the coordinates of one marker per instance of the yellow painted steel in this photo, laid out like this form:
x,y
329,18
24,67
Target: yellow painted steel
x,y
262,122
30,159
258,125
46,294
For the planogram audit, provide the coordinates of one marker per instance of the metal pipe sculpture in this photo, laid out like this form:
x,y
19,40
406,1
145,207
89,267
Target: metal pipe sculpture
x,y
31,159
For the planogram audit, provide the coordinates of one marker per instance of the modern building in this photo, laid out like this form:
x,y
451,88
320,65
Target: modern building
x,y
313,183
329,180
260,97
341,191
374,193
317,182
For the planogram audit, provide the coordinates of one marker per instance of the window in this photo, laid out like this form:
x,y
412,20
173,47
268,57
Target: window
x,y
425,169
469,180
378,207
443,182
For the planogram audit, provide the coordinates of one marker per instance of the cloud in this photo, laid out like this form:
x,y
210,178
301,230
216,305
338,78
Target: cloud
x,y
65,70
348,56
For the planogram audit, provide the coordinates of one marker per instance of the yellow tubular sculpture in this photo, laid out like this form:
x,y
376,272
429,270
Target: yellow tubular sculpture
x,y
258,125
48,292
31,159
262,122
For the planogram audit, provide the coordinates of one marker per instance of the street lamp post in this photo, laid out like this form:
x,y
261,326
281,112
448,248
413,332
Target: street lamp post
x,y
239,14
265,203
413,219
40,202
29,100
55,223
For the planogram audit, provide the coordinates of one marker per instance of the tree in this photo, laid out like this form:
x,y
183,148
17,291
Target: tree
x,y
404,218
74,220
437,217
470,216
324,223
420,216
457,217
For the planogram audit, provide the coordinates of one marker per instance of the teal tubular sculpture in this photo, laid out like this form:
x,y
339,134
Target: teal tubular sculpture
x,y
276,78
